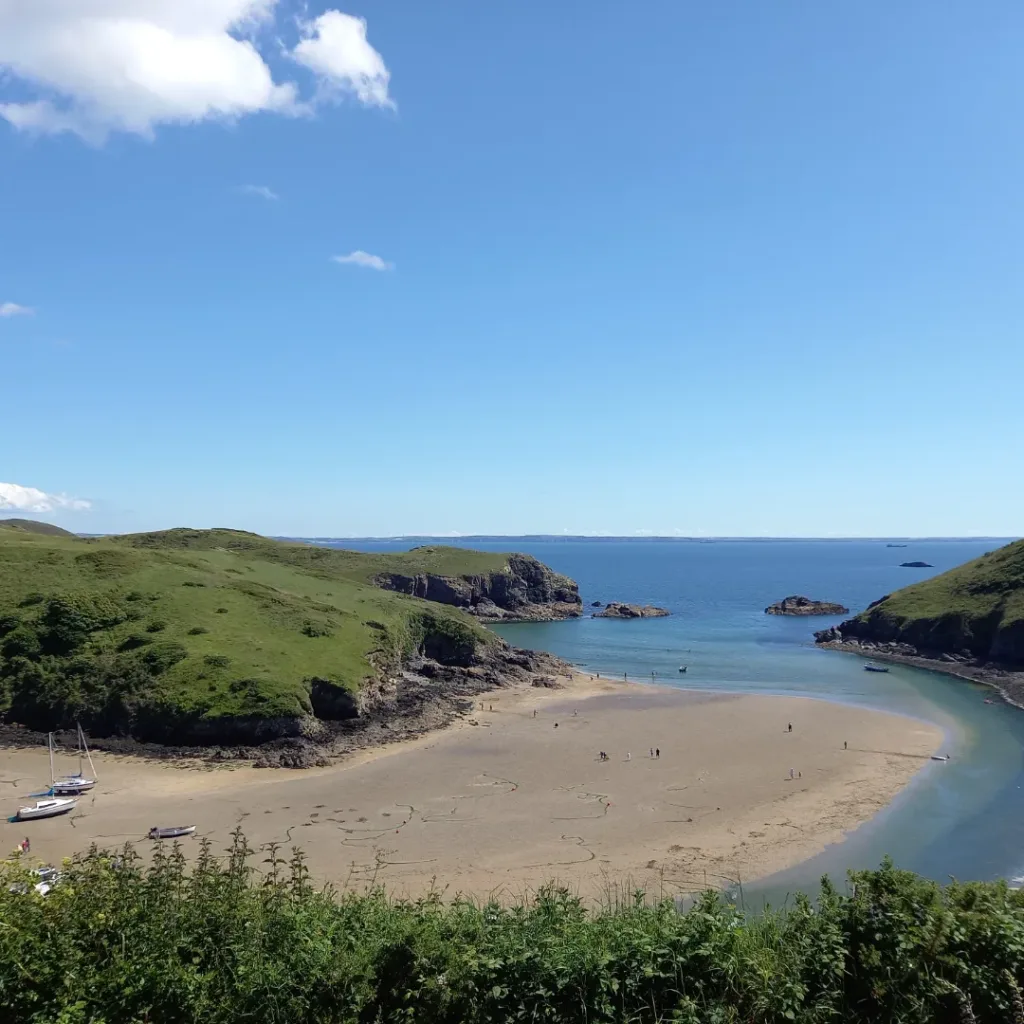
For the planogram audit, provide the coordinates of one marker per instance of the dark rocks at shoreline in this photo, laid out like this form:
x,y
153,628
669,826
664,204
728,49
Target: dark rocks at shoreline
x,y
916,565
526,591
595,604
619,610
798,605
424,695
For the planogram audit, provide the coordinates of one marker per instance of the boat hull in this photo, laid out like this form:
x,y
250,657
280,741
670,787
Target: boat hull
x,y
45,809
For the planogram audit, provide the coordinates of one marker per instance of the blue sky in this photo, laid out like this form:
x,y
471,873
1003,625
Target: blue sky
x,y
727,269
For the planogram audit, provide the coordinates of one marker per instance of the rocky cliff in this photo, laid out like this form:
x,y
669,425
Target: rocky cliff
x,y
524,590
797,605
971,616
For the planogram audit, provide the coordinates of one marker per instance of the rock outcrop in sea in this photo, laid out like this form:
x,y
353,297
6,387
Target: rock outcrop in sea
x,y
916,565
798,605
619,610
526,590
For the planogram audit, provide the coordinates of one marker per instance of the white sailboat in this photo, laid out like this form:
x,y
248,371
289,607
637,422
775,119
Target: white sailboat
x,y
72,785
49,807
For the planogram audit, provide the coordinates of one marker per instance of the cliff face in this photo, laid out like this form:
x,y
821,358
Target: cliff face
x,y
972,613
526,590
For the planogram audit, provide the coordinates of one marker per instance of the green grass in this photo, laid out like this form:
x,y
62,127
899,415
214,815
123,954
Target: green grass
x,y
220,943
201,625
979,606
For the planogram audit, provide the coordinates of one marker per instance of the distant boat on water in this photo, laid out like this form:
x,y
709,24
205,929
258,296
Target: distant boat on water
x,y
683,668
895,545
875,668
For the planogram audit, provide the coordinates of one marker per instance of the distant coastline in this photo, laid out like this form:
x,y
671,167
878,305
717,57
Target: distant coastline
x,y
462,539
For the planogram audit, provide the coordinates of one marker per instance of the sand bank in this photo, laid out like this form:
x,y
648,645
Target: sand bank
x,y
516,795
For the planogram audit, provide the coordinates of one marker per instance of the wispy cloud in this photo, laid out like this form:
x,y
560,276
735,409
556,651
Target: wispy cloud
x,y
13,309
364,259
16,498
263,191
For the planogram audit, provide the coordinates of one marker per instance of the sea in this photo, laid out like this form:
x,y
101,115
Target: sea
x,y
963,818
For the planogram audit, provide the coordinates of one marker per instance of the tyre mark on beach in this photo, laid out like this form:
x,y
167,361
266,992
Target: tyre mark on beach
x,y
578,841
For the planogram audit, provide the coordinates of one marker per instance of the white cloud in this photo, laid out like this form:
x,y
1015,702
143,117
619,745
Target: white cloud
x,y
96,66
263,191
364,259
335,48
14,497
13,309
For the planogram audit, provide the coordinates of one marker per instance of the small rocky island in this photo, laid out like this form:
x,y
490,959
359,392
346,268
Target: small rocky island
x,y
798,605
618,610
916,565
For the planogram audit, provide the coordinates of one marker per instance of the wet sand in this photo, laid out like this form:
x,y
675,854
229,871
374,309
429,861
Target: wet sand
x,y
505,800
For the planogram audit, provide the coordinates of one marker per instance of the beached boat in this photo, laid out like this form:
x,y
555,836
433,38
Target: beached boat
x,y
72,785
875,668
49,808
171,832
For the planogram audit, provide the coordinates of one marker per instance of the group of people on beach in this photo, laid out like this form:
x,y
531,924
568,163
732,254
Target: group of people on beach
x,y
602,755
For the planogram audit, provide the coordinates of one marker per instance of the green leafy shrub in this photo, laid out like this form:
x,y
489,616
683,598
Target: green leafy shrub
x,y
119,942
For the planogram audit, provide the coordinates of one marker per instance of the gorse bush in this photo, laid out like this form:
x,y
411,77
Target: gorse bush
x,y
116,942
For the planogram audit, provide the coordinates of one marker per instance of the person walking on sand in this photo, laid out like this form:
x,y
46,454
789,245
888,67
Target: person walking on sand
x,y
790,729
657,753
629,756
652,753
791,773
844,745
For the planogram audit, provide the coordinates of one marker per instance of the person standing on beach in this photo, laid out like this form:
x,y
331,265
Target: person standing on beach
x,y
652,753
629,756
790,729
657,752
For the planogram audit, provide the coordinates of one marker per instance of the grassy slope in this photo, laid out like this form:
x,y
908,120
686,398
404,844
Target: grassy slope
x,y
971,605
33,526
251,602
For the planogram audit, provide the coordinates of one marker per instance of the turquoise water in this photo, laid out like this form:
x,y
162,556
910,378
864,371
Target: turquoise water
x,y
964,818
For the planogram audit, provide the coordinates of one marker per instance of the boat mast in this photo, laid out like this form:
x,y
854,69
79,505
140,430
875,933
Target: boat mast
x,y
84,746
49,747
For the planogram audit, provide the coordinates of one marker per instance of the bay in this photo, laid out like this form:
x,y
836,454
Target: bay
x,y
964,818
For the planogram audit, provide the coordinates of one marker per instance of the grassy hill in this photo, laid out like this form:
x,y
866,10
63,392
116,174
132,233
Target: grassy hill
x,y
213,635
33,526
976,609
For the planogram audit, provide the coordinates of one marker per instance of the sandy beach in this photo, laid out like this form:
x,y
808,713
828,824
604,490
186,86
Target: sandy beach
x,y
515,795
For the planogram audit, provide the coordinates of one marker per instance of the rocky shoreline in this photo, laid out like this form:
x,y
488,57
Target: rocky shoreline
x,y
425,696
1007,682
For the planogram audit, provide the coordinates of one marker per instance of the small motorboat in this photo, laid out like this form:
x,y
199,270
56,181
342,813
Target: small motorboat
x,y
875,668
682,668
940,757
171,832
46,809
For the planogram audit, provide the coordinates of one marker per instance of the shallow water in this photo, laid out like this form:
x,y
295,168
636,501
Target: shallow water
x,y
964,818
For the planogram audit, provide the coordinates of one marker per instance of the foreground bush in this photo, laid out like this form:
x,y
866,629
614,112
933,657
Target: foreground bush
x,y
114,942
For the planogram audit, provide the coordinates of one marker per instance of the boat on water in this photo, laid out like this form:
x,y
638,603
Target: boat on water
x,y
48,808
683,668
171,832
73,785
875,668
